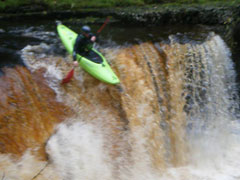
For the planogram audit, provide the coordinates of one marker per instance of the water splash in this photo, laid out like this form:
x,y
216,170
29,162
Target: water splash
x,y
171,117
167,90
84,154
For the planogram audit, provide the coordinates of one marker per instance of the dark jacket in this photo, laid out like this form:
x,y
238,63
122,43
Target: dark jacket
x,y
83,44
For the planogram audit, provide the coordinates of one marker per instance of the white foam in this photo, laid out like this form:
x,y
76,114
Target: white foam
x,y
77,152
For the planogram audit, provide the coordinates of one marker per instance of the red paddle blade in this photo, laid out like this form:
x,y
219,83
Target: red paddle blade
x,y
68,77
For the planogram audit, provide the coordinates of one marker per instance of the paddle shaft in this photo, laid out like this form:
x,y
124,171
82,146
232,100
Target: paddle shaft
x,y
104,24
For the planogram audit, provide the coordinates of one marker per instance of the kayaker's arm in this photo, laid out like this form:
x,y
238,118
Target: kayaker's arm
x,y
74,56
76,47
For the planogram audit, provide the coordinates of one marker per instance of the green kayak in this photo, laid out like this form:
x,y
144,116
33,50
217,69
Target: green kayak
x,y
94,63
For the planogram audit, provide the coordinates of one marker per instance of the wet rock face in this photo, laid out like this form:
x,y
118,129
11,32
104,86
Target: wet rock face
x,y
236,30
179,15
235,42
29,112
9,58
36,7
147,15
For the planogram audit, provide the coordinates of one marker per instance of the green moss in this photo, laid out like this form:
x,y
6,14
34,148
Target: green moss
x,y
13,3
74,4
92,3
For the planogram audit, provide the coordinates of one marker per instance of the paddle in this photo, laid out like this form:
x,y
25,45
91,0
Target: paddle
x,y
104,24
71,73
68,77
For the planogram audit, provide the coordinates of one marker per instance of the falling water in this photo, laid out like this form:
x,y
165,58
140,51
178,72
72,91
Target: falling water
x,y
174,115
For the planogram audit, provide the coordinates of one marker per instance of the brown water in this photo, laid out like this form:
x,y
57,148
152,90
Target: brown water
x,y
173,115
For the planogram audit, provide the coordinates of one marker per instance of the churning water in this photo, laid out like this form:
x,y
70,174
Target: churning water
x,y
174,116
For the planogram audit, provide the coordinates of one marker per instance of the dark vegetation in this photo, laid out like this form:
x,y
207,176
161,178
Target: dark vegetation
x,y
141,12
73,4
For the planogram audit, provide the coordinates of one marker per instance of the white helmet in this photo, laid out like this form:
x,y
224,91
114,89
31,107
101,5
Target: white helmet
x,y
86,29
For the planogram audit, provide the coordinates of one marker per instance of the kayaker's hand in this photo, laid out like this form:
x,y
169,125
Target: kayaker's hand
x,y
93,38
74,56
75,63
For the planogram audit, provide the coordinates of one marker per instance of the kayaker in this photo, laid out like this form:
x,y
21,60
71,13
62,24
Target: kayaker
x,y
83,43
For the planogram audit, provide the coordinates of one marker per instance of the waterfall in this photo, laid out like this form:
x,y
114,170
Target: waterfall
x,y
174,115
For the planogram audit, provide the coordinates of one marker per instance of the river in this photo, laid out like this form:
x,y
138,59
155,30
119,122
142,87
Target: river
x,y
174,116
